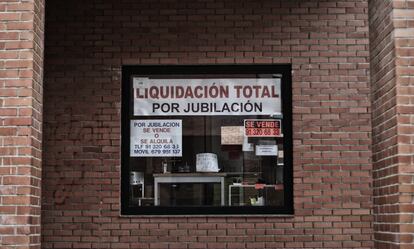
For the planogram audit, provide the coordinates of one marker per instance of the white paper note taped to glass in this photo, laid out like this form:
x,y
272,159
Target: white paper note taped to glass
x,y
207,162
266,150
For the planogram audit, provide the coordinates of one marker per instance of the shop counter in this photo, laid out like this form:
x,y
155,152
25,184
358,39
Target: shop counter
x,y
188,178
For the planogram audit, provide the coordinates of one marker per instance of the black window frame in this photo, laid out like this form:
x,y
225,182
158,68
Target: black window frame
x,y
285,70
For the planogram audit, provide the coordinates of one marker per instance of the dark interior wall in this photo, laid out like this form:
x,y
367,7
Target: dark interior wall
x,y
325,41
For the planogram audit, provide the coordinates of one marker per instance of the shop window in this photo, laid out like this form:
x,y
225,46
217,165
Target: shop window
x,y
206,140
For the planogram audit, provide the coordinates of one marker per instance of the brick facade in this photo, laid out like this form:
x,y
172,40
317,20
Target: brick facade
x,y
351,190
392,46
404,51
327,44
21,72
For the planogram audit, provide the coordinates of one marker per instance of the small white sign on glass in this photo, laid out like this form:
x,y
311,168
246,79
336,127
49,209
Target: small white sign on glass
x,y
156,138
207,162
266,150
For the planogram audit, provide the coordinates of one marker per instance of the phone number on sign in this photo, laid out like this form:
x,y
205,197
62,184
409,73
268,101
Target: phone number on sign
x,y
165,152
262,132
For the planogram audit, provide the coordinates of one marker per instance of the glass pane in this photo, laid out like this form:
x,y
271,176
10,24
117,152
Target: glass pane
x,y
205,160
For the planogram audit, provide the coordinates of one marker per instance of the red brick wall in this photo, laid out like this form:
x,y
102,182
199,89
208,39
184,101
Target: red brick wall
x,y
327,44
392,61
385,163
404,49
21,71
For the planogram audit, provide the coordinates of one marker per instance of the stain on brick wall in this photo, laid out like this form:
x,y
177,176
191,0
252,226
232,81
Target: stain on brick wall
x,y
325,41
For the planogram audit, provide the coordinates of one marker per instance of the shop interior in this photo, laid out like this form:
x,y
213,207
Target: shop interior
x,y
220,166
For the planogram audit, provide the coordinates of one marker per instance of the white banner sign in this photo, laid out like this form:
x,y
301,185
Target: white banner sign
x,y
156,138
206,97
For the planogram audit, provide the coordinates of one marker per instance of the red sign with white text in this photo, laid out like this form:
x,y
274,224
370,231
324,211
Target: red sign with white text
x,y
262,128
